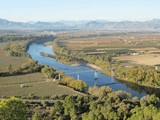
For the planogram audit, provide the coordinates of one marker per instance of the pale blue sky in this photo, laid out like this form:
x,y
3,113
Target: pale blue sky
x,y
55,10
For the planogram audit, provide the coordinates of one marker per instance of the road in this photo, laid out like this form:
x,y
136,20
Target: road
x,y
38,100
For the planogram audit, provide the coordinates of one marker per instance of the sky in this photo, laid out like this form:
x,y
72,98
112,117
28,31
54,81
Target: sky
x,y
57,10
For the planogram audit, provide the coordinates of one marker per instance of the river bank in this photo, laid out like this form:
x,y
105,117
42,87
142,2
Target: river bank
x,y
82,72
118,78
149,89
94,66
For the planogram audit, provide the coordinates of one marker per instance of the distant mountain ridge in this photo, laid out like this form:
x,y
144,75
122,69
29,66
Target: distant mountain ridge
x,y
83,25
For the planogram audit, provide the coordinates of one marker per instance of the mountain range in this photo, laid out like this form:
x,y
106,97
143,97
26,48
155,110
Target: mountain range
x,y
83,25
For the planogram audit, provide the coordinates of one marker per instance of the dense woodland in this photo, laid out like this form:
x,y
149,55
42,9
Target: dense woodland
x,y
101,104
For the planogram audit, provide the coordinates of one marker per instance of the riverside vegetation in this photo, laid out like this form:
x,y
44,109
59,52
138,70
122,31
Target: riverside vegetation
x,y
139,74
18,49
99,104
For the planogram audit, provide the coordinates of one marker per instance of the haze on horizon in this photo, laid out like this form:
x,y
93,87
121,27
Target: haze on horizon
x,y
57,10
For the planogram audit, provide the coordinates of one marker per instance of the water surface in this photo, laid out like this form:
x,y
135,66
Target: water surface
x,y
85,73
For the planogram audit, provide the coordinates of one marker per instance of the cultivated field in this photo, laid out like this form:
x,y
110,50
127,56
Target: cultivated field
x,y
2,46
38,89
16,62
22,79
147,46
35,84
101,43
5,60
147,59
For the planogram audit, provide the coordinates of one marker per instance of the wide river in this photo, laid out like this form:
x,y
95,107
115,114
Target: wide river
x,y
85,73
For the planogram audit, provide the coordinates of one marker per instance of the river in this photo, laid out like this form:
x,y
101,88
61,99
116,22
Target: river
x,y
85,73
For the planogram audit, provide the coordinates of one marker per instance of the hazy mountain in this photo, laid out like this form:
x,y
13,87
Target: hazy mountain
x,y
5,24
124,25
83,25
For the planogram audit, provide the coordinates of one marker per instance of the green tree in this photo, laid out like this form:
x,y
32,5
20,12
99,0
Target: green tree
x,y
78,85
57,109
36,116
12,109
47,71
70,106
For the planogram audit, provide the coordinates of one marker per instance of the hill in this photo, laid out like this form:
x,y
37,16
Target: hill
x,y
83,25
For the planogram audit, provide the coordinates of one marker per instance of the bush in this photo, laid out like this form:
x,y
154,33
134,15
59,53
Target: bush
x,y
78,85
48,72
102,91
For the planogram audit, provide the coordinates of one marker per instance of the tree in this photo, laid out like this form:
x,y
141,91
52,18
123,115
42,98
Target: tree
x,y
57,109
78,85
36,116
70,106
153,99
145,113
123,94
10,69
12,109
47,71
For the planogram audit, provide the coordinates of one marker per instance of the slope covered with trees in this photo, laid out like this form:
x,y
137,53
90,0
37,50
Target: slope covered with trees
x,y
107,105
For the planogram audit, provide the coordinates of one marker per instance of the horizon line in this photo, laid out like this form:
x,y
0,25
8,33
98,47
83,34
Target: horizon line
x,y
27,21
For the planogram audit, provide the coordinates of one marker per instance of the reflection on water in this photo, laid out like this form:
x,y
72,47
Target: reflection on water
x,y
141,89
88,76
